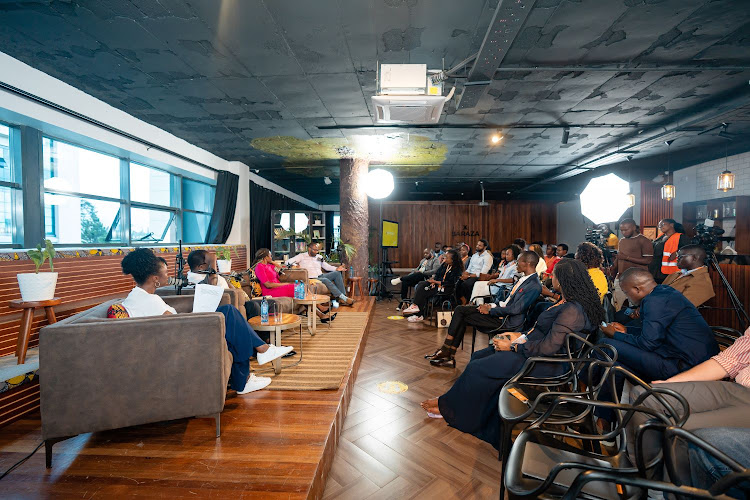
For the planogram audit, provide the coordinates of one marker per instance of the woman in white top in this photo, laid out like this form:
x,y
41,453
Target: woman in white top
x,y
541,268
150,272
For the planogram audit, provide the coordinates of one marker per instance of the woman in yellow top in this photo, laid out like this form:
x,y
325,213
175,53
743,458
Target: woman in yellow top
x,y
591,256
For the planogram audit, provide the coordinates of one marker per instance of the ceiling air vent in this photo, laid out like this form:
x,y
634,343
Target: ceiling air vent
x,y
408,95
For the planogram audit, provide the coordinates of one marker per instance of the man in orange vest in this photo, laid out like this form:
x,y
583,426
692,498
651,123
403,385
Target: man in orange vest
x,y
664,261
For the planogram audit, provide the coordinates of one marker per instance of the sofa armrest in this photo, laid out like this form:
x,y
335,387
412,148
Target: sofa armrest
x,y
294,274
121,372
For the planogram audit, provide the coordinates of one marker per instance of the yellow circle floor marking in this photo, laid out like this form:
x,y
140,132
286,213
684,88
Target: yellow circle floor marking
x,y
392,387
395,317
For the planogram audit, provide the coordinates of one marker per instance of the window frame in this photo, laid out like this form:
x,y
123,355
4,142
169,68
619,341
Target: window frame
x,y
15,186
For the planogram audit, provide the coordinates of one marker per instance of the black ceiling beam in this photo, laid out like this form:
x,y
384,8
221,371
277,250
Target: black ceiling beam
x,y
506,23
624,68
481,126
710,109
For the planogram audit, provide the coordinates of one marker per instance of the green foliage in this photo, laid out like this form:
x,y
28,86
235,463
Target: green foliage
x,y
348,250
92,229
225,253
38,256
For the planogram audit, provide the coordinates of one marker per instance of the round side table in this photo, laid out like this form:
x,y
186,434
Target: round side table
x,y
311,302
22,345
288,321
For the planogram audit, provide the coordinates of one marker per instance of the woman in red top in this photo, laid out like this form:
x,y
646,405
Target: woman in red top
x,y
266,270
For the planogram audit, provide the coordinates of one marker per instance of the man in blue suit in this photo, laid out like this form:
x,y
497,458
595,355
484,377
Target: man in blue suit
x,y
508,314
673,337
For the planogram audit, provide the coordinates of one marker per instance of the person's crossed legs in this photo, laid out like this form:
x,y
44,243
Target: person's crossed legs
x,y
335,284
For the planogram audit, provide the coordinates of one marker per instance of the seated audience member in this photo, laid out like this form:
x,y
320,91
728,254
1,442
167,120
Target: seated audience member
x,y
464,252
480,263
693,280
611,238
673,337
203,260
562,250
427,267
267,272
471,404
498,283
444,282
664,261
541,268
633,250
315,265
150,272
706,470
438,249
521,243
551,258
591,256
509,313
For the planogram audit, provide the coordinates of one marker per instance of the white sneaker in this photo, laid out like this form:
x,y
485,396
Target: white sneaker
x,y
334,304
272,353
415,319
396,281
255,384
411,309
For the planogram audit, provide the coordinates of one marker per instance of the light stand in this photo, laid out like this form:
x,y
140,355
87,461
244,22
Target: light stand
x,y
739,310
384,267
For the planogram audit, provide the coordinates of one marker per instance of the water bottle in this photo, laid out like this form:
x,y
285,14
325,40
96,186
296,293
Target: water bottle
x,y
296,289
264,311
351,271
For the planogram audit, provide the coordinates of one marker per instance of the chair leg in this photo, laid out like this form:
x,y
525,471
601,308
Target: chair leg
x,y
48,453
217,418
506,434
473,338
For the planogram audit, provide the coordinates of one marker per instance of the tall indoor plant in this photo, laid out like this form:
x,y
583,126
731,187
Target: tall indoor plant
x,y
38,286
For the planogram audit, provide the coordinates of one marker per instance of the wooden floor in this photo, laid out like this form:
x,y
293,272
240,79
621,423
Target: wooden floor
x,y
388,448
282,444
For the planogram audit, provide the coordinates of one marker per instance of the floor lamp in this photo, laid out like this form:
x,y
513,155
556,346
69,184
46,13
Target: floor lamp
x,y
379,185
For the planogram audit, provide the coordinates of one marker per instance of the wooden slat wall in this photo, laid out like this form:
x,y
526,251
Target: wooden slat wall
x,y
82,282
653,208
739,278
421,224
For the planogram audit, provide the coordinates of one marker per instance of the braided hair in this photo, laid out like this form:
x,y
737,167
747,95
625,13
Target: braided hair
x,y
576,286
590,255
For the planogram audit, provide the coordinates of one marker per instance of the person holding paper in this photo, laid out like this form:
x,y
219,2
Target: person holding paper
x,y
150,272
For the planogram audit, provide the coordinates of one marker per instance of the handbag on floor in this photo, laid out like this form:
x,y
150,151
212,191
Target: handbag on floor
x,y
444,318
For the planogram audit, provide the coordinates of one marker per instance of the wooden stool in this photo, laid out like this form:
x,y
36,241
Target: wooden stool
x,y
28,318
357,281
370,283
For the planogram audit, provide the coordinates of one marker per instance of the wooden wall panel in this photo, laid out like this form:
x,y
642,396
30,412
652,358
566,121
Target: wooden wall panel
x,y
739,278
421,224
653,208
83,282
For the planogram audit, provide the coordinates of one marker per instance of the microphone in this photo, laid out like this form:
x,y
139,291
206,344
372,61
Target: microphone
x,y
179,282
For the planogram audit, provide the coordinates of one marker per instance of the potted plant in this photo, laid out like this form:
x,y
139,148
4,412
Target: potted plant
x,y
224,259
38,286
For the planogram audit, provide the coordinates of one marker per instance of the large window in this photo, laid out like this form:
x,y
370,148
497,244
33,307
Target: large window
x,y
9,187
92,198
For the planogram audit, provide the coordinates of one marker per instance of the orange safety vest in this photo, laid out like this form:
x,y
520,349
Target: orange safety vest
x,y
670,247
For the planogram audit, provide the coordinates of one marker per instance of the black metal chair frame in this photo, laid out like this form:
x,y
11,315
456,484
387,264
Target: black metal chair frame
x,y
624,412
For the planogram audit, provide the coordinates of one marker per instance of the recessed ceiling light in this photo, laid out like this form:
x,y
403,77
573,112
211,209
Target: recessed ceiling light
x,y
496,137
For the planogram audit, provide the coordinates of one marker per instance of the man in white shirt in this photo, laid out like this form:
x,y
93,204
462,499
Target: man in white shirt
x,y
480,263
315,266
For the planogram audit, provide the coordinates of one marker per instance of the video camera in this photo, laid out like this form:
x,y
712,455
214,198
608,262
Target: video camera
x,y
707,236
596,236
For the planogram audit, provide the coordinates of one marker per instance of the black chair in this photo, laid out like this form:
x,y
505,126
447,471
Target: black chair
x,y
725,336
677,487
501,329
544,462
540,392
443,299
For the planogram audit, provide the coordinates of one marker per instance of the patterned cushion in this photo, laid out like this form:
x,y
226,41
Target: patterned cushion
x,y
117,311
256,290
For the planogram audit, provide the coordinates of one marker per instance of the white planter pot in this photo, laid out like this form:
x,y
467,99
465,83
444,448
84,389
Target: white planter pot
x,y
225,266
37,286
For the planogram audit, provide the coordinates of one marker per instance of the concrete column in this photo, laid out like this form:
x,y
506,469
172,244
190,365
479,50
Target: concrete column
x,y
354,213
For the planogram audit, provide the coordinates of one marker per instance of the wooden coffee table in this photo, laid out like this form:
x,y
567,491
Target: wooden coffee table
x,y
288,321
311,302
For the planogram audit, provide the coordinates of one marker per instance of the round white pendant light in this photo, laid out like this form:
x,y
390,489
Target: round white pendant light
x,y
379,183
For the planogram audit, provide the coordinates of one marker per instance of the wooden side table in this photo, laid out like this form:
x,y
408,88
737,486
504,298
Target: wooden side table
x,y
288,321
28,318
311,302
356,281
370,283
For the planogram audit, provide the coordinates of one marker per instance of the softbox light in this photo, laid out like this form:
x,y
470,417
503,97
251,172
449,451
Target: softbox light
x,y
605,199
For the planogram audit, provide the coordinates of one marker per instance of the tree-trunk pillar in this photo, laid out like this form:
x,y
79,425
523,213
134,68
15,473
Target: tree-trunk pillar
x,y
354,213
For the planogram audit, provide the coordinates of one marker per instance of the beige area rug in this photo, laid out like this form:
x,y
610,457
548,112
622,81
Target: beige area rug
x,y
326,357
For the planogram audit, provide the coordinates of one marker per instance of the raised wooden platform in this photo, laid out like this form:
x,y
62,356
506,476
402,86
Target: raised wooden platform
x,y
274,444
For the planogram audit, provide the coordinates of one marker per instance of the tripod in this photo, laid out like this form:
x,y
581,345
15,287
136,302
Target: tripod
x,y
384,271
739,310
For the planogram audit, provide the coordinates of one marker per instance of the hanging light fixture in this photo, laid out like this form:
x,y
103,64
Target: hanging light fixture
x,y
668,191
725,181
630,196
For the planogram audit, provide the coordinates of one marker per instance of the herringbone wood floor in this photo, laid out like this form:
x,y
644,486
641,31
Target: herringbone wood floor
x,y
388,448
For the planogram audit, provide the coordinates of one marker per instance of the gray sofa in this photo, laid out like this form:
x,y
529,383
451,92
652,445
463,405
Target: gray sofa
x,y
98,373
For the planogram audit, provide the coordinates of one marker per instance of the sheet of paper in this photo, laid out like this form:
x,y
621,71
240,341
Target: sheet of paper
x,y
207,297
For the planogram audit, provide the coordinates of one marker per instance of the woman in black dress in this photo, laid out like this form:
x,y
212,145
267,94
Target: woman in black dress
x,y
471,404
444,282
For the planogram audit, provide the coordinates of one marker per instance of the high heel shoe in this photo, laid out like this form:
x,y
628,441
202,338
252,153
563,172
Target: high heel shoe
x,y
329,318
432,356
445,362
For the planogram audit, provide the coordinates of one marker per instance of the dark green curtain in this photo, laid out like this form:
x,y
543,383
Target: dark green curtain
x,y
262,202
329,230
225,203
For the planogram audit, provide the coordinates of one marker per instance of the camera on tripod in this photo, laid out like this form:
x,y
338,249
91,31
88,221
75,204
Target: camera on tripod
x,y
596,236
707,236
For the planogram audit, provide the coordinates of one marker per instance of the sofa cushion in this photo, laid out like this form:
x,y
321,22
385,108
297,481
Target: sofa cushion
x,y
117,311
